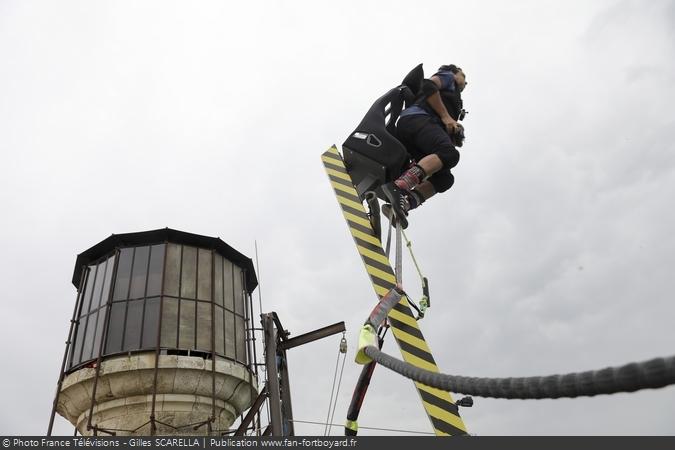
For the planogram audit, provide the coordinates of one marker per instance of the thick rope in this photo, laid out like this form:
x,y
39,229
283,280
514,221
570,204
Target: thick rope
x,y
652,374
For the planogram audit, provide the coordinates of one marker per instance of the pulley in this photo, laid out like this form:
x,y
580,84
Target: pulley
x,y
343,344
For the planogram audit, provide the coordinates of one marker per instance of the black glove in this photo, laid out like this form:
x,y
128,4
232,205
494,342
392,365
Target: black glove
x,y
458,136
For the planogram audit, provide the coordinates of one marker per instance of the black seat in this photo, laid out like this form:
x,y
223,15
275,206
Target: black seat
x,y
372,153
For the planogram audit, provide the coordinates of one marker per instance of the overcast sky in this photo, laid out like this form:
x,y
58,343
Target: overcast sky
x,y
554,252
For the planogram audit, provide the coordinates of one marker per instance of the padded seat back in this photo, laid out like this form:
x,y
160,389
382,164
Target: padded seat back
x,y
373,155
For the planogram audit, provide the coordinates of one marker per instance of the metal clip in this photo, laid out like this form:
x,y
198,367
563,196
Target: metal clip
x,y
343,344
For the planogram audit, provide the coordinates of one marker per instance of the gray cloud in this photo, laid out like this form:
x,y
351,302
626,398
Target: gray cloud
x,y
552,253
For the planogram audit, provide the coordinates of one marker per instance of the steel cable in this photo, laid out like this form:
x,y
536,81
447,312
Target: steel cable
x,y
344,358
652,374
332,391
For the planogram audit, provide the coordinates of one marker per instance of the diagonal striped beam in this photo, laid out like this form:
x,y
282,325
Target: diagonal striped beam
x,y
439,406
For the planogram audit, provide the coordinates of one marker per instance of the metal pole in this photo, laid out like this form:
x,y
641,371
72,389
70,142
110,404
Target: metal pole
x,y
104,337
213,342
252,412
153,426
286,408
399,254
252,357
69,341
313,336
257,271
272,374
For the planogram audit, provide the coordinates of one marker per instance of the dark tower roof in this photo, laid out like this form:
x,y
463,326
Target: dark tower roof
x,y
106,246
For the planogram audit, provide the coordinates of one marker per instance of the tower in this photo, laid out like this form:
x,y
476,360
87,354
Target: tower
x,y
159,339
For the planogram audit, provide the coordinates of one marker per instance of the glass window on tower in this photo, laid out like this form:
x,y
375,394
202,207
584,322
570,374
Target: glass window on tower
x,y
173,258
188,279
139,272
123,274
155,270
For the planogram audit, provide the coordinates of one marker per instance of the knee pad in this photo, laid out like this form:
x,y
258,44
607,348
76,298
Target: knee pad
x,y
449,157
442,181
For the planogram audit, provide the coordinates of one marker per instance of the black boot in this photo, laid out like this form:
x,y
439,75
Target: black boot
x,y
399,202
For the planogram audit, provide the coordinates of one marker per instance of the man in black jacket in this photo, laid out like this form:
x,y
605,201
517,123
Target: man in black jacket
x,y
430,132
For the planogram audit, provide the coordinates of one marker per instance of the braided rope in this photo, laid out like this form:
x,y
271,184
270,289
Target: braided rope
x,y
652,374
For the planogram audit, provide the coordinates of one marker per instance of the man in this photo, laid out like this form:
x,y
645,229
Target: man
x,y
430,132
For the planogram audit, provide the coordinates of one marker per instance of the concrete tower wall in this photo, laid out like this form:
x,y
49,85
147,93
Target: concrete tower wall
x,y
185,394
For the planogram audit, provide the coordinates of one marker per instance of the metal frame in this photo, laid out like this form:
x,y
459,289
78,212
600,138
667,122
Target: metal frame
x,y
253,355
278,379
255,409
153,426
73,322
104,338
276,343
213,340
246,360
271,337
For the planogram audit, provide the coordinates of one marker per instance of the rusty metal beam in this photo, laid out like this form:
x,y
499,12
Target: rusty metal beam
x,y
312,336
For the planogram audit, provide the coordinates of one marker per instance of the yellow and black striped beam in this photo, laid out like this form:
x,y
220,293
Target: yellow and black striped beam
x,y
438,404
